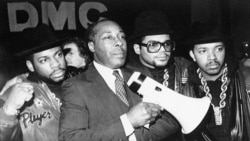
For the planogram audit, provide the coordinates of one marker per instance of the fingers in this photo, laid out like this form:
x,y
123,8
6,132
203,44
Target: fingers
x,y
20,93
12,82
153,111
28,91
25,86
28,95
24,95
16,96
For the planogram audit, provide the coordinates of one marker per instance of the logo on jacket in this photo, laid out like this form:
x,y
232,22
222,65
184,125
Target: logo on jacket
x,y
30,118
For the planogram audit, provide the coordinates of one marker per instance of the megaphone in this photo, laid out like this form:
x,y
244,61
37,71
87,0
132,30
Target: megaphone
x,y
188,111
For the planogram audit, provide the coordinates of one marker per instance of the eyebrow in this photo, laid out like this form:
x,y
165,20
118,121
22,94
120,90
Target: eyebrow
x,y
214,46
60,50
220,45
109,32
45,56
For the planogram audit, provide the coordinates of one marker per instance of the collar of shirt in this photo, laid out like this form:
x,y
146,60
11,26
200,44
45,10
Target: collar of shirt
x,y
107,75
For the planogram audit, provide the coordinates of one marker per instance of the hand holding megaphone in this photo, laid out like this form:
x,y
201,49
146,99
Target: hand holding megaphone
x,y
188,111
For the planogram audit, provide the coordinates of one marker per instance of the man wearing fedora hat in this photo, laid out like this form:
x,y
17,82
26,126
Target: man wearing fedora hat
x,y
152,42
216,75
30,108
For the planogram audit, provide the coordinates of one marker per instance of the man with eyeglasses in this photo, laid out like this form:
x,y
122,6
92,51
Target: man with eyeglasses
x,y
153,44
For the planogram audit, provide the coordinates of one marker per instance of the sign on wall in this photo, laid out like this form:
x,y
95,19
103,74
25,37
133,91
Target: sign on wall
x,y
71,17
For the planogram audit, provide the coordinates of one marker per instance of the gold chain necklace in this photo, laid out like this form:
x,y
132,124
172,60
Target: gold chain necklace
x,y
165,77
222,103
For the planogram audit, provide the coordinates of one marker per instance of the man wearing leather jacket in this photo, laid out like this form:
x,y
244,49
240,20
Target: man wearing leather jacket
x,y
153,44
30,105
216,75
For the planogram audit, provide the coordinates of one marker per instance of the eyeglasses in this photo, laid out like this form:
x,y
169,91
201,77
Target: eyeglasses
x,y
155,46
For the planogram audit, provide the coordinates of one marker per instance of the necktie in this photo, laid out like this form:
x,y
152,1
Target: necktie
x,y
119,87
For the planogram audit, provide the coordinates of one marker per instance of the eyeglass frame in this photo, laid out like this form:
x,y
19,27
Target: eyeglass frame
x,y
161,45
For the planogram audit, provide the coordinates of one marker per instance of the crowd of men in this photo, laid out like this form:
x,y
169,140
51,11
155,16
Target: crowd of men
x,y
76,89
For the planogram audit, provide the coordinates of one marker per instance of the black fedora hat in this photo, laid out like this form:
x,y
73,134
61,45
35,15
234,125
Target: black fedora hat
x,y
38,39
150,22
206,32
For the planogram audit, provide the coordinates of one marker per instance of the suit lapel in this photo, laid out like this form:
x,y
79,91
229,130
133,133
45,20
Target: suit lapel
x,y
108,100
133,98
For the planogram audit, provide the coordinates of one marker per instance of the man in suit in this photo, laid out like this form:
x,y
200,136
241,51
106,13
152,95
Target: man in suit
x,y
91,108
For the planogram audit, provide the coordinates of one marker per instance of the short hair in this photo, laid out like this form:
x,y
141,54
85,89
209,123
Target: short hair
x,y
90,32
82,47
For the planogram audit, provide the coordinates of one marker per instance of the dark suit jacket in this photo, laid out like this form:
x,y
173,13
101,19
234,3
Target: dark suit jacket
x,y
91,111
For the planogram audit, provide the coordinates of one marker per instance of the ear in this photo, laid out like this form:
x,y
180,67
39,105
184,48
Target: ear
x,y
91,46
191,54
137,49
30,65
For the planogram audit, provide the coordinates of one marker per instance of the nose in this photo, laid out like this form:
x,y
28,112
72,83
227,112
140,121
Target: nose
x,y
118,41
211,55
54,63
162,48
67,57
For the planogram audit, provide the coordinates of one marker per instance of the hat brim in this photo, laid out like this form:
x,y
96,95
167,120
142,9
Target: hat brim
x,y
193,42
40,48
135,36
209,40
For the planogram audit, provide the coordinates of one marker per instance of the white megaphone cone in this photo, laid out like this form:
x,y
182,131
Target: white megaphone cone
x,y
188,111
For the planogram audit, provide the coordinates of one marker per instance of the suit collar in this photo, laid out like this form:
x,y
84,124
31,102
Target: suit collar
x,y
91,73
105,95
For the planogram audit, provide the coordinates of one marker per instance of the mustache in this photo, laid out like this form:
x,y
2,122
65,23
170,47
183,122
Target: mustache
x,y
214,62
163,54
58,69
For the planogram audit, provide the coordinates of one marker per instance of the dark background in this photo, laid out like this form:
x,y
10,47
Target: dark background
x,y
233,15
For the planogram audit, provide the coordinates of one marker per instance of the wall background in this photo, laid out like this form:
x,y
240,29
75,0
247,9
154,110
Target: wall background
x,y
71,17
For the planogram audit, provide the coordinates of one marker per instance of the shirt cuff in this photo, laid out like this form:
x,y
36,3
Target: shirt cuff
x,y
128,128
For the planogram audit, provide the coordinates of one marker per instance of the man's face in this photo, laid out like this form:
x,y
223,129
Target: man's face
x,y
49,65
153,60
109,45
73,57
209,57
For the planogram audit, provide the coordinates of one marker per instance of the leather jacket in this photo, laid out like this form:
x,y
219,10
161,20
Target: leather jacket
x,y
179,74
238,103
38,119
179,65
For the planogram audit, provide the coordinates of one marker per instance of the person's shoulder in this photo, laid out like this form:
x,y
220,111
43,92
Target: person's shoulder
x,y
181,59
137,67
77,79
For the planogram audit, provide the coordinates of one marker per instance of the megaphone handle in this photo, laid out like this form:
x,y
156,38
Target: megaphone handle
x,y
201,133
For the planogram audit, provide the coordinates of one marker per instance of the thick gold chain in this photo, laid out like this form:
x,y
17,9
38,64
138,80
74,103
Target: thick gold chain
x,y
224,81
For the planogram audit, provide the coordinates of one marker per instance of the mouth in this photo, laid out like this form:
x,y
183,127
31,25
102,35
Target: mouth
x,y
213,66
58,73
162,57
119,54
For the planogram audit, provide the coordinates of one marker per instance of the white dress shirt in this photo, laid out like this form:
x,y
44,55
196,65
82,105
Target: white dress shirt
x,y
109,78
